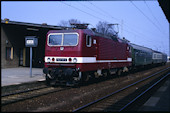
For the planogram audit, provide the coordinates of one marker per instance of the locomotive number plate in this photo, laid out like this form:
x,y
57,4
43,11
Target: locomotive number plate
x,y
61,59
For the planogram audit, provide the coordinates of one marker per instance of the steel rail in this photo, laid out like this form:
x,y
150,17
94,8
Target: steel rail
x,y
33,96
24,91
124,107
93,102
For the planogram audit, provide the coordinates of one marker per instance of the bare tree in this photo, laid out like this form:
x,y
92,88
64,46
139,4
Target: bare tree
x,y
64,23
105,28
69,22
74,21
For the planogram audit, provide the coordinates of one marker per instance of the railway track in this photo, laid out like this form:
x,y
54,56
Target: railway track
x,y
11,89
22,91
10,98
119,100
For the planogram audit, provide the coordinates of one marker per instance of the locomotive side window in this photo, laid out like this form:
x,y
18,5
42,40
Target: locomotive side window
x,y
55,39
88,41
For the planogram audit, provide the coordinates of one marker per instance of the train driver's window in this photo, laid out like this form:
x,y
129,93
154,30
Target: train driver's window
x,y
88,41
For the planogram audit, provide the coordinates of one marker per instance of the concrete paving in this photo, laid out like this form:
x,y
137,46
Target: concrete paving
x,y
160,100
12,76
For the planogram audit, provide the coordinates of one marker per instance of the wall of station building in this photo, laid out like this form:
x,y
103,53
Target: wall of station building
x,y
7,48
13,50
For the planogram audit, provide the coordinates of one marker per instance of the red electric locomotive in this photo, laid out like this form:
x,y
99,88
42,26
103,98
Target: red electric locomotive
x,y
75,55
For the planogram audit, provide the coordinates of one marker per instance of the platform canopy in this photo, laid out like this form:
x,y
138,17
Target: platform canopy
x,y
164,4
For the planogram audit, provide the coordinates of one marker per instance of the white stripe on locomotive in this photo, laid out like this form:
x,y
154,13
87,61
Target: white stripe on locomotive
x,y
82,60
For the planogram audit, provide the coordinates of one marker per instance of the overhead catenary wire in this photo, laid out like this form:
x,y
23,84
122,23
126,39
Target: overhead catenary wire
x,y
92,9
152,13
95,11
114,17
146,17
136,34
104,11
100,9
97,17
81,10
101,18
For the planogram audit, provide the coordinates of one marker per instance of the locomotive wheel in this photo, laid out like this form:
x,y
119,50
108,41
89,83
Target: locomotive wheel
x,y
48,80
52,74
86,77
96,76
119,72
105,73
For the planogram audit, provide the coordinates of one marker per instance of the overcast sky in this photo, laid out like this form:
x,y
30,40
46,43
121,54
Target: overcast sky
x,y
141,22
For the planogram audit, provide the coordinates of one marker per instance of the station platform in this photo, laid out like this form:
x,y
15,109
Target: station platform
x,y
160,100
19,75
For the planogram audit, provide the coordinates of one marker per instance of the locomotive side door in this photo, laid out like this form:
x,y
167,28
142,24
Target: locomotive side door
x,y
91,46
95,43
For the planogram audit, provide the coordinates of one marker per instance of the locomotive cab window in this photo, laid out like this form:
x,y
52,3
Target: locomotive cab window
x,y
70,39
88,41
55,39
63,39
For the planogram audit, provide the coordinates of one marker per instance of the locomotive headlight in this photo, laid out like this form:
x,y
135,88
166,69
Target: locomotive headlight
x,y
75,60
69,59
53,59
48,60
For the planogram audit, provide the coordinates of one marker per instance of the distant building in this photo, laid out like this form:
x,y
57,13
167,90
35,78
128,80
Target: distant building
x,y
13,50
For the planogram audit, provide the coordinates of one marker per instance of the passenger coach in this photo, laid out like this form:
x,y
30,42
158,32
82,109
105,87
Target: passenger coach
x,y
159,58
141,56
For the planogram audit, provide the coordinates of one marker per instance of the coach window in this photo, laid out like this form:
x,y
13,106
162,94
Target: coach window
x,y
154,56
88,41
